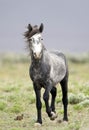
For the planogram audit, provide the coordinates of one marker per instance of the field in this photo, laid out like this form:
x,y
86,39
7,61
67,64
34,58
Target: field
x,y
17,96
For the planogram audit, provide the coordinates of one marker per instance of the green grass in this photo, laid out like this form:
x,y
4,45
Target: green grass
x,y
17,97
2,105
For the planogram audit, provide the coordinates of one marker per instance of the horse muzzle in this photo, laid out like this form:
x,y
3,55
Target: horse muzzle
x,y
37,55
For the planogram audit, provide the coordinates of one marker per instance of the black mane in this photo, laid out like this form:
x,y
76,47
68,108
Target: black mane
x,y
29,33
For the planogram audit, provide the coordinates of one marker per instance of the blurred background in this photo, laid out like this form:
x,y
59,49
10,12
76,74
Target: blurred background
x,y
66,28
66,24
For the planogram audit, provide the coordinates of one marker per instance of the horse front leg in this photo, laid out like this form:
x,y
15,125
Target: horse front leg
x,y
46,99
38,104
53,93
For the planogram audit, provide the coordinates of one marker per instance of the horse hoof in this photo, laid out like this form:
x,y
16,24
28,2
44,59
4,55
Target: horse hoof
x,y
54,116
37,124
65,119
65,122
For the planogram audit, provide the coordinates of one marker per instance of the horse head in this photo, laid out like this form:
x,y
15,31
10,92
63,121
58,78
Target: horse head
x,y
34,38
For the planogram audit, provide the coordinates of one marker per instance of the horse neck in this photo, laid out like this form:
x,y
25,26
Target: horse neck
x,y
36,62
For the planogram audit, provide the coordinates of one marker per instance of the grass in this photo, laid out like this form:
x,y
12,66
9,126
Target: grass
x,y
2,106
17,97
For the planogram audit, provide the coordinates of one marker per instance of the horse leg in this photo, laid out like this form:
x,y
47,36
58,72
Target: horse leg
x,y
46,99
64,86
38,104
53,93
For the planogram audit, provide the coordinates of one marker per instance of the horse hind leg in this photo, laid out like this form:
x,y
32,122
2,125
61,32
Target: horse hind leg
x,y
64,86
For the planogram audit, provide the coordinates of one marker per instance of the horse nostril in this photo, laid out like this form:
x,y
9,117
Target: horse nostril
x,y
34,53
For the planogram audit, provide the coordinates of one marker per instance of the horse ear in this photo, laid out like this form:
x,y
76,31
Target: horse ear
x,y
41,28
29,27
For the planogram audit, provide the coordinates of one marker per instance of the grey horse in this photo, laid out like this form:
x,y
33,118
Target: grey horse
x,y
47,69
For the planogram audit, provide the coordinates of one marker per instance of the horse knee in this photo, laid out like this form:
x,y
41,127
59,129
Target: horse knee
x,y
54,92
38,104
45,97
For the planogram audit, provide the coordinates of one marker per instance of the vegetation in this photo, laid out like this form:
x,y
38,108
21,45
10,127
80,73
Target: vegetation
x,y
17,96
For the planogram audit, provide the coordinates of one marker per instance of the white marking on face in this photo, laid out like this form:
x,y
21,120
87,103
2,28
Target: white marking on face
x,y
36,45
36,36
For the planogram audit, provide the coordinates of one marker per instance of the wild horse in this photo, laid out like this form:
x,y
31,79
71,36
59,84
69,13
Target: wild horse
x,y
47,70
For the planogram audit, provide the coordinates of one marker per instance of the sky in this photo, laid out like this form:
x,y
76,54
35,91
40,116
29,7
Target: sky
x,y
66,24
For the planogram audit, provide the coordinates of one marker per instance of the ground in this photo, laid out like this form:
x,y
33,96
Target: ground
x,y
17,97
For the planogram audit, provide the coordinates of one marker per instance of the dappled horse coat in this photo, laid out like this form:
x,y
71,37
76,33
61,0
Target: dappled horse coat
x,y
47,69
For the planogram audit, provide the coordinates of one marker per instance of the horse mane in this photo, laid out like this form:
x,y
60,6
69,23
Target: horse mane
x,y
31,31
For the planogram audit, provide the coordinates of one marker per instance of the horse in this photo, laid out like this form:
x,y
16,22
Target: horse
x,y
47,69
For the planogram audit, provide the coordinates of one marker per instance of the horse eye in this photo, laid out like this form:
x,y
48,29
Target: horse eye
x,y
40,39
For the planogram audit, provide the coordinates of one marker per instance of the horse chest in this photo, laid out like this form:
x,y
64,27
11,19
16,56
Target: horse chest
x,y
38,74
